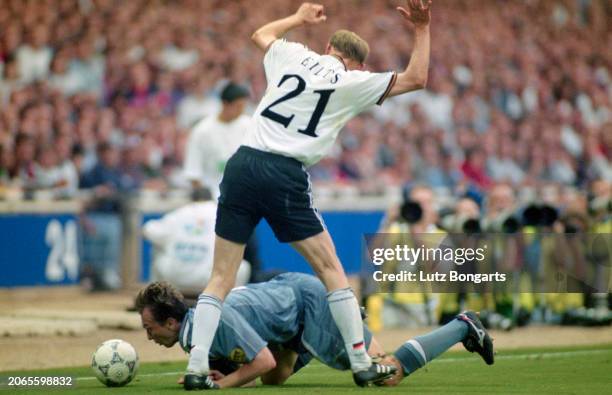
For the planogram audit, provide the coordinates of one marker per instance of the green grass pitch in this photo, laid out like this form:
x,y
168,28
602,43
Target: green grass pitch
x,y
584,370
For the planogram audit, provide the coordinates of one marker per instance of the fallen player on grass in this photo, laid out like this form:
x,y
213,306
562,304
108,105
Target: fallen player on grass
x,y
271,330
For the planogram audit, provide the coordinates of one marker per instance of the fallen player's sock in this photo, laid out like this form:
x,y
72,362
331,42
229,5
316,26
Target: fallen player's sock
x,y
345,310
205,323
415,353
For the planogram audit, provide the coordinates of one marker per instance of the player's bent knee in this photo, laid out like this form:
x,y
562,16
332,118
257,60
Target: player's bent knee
x,y
273,380
276,377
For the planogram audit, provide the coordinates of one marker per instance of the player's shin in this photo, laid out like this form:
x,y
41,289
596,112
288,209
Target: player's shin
x,y
205,323
345,310
415,353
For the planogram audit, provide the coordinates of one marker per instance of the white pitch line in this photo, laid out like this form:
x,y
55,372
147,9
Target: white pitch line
x,y
138,375
531,356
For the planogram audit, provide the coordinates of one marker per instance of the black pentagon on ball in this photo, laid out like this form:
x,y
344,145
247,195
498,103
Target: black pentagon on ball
x,y
116,358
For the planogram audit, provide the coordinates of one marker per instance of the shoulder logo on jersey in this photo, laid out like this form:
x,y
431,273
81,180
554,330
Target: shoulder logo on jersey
x,y
238,355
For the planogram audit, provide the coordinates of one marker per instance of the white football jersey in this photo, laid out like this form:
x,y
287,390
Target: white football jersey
x,y
184,241
211,143
309,98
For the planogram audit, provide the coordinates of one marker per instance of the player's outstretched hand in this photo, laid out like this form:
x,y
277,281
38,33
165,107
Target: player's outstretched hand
x,y
311,13
418,12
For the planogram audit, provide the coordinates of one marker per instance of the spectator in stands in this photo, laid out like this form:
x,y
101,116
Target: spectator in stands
x,y
61,77
141,86
141,58
23,170
431,170
197,103
166,96
473,168
34,57
501,165
87,68
101,230
11,81
46,171
67,172
11,40
181,53
6,163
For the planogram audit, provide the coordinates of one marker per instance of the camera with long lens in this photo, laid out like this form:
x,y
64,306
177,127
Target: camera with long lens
x,y
574,223
600,206
454,223
411,211
540,215
600,212
504,223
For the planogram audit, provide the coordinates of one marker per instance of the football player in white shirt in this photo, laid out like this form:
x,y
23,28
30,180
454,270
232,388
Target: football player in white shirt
x,y
309,98
215,138
184,240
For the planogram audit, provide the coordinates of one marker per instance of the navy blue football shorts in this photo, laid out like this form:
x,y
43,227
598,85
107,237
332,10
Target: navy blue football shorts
x,y
258,184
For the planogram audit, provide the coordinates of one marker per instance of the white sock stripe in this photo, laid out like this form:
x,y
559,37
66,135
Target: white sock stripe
x,y
340,300
211,301
417,346
340,291
206,302
209,297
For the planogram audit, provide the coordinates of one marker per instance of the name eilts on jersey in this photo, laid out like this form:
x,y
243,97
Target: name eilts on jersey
x,y
316,68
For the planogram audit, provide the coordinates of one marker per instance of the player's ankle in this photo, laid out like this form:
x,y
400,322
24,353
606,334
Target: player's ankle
x,y
198,361
360,362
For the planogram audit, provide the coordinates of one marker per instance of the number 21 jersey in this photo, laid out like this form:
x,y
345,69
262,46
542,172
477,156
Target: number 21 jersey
x,y
309,99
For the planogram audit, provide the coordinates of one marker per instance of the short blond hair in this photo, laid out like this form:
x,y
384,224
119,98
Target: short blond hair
x,y
350,45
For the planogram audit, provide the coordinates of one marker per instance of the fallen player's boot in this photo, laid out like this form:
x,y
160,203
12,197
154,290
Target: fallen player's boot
x,y
477,339
194,381
374,374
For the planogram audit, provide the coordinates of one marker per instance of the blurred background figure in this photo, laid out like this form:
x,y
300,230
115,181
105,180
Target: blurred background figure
x,y
212,141
215,138
101,230
184,242
413,223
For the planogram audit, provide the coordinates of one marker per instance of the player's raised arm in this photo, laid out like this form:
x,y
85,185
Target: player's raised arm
x,y
415,75
308,13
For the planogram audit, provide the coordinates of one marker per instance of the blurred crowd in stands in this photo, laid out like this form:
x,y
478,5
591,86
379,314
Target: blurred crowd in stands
x,y
102,95
519,92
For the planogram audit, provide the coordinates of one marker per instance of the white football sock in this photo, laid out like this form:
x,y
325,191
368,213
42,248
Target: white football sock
x,y
345,310
205,323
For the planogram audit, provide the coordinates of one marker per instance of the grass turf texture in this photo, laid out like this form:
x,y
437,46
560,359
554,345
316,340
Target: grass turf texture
x,y
584,370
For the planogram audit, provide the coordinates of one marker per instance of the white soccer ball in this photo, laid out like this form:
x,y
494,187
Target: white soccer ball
x,y
115,363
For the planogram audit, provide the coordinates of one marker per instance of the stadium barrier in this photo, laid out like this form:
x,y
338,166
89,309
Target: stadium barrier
x,y
39,243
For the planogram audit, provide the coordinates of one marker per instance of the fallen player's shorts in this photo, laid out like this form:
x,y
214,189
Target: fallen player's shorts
x,y
258,184
320,335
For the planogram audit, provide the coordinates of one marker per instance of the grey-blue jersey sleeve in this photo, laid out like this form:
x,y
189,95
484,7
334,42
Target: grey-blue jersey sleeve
x,y
235,339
